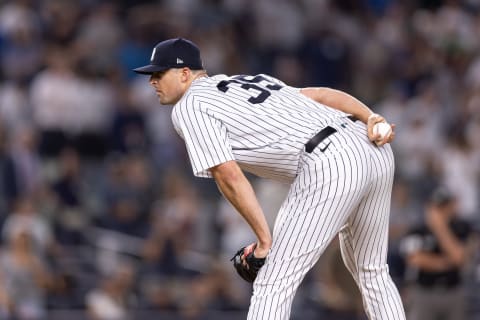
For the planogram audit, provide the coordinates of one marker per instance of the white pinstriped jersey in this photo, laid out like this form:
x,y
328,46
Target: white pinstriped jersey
x,y
258,121
344,189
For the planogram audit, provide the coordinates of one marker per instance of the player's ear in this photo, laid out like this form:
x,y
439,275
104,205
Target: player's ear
x,y
185,74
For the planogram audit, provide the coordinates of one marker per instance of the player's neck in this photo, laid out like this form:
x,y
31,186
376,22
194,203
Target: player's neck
x,y
199,75
194,77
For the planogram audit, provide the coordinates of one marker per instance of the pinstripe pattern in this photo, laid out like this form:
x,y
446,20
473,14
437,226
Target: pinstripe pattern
x,y
346,189
265,138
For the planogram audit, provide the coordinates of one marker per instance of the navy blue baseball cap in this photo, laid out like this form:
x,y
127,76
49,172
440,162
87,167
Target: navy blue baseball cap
x,y
173,53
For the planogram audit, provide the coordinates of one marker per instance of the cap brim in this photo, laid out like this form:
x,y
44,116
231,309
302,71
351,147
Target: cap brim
x,y
149,69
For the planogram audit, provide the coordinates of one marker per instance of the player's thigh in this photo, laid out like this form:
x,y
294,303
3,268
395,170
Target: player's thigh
x,y
297,246
318,204
369,223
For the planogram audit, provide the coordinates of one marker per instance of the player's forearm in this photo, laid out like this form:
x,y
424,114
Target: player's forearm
x,y
339,100
238,191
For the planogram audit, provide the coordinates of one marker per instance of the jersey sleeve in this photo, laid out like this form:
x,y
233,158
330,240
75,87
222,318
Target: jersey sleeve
x,y
206,137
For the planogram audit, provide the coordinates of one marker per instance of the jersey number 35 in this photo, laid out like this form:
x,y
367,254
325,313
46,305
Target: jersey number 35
x,y
258,83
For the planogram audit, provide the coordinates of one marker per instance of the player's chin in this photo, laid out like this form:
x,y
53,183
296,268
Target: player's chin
x,y
167,100
163,101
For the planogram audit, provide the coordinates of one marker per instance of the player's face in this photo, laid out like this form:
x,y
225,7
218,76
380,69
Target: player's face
x,y
169,85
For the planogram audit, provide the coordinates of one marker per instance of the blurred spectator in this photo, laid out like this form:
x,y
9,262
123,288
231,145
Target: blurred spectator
x,y
25,218
404,212
52,95
176,272
61,19
130,178
436,254
17,14
91,110
325,57
6,302
65,292
123,224
23,174
69,191
124,216
128,133
212,290
15,109
270,16
460,167
113,298
174,215
289,68
5,169
159,292
416,155
71,104
67,187
21,53
100,35
26,277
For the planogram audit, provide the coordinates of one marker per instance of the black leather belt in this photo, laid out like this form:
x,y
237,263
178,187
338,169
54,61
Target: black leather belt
x,y
321,135
353,118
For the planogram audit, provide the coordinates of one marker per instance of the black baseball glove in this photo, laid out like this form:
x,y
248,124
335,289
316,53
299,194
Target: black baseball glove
x,y
246,264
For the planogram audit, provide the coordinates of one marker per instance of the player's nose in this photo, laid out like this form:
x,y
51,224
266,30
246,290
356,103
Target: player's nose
x,y
152,80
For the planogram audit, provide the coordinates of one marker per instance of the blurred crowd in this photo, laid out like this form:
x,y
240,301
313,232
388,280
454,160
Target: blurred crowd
x,y
99,213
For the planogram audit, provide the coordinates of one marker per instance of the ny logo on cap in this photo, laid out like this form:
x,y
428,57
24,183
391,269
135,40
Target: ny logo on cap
x,y
179,61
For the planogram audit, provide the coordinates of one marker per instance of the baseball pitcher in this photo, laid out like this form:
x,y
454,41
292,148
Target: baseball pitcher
x,y
320,141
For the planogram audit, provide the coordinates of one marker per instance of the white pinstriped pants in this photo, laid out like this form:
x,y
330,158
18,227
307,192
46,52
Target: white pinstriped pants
x,y
344,190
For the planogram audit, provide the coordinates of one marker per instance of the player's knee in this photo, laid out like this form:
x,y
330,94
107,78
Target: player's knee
x,y
370,273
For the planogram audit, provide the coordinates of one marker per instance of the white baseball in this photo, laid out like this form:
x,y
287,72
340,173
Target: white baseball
x,y
382,128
